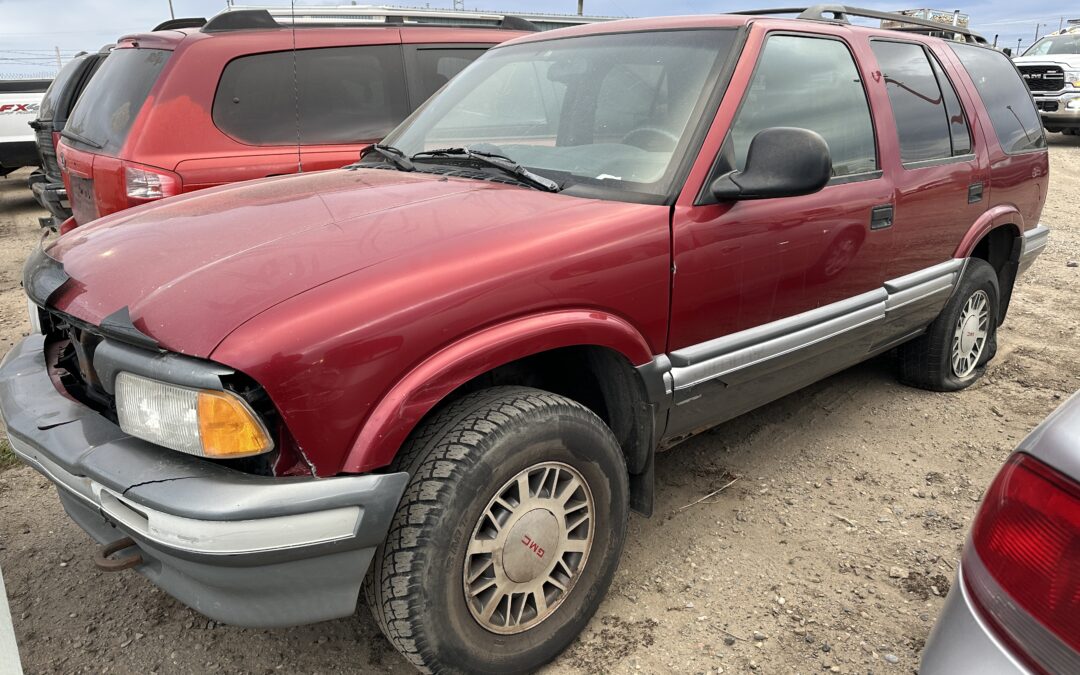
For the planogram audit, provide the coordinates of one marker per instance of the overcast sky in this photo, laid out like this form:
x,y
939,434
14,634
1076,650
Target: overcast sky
x,y
31,30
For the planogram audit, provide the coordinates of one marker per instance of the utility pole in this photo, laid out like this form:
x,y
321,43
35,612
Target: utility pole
x,y
580,7
1037,26
1018,41
995,40
59,64
172,15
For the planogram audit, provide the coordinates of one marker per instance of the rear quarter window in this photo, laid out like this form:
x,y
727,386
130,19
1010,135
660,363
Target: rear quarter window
x,y
1005,97
113,98
343,95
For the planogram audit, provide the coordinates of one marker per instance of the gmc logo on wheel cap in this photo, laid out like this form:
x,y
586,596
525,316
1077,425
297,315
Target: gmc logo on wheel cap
x,y
533,546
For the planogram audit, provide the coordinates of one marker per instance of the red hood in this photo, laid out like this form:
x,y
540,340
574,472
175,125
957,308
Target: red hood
x,y
192,269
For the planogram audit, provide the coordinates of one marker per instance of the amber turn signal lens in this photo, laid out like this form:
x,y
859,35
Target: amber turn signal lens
x,y
228,428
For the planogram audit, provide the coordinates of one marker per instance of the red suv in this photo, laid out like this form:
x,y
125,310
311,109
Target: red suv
x,y
448,369
243,97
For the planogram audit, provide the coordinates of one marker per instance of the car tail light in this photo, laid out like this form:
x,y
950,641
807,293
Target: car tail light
x,y
144,183
1022,568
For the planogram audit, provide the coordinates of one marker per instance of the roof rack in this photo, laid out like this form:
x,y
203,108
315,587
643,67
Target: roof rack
x,y
176,24
321,17
841,14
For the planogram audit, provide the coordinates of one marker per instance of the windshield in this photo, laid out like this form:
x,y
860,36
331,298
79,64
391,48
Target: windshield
x,y
602,115
111,102
1056,44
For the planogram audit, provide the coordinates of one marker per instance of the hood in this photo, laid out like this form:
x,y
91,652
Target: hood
x,y
1068,61
191,269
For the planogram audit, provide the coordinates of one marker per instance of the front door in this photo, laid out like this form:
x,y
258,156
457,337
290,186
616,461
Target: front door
x,y
773,294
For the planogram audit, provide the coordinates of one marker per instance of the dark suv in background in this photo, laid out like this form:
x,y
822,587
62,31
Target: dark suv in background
x,y
47,182
245,97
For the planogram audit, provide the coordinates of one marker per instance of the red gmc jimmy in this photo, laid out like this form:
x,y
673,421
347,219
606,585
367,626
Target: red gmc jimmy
x,y
187,107
442,374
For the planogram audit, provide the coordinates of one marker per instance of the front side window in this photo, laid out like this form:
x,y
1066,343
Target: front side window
x,y
811,83
1005,96
342,95
927,112
605,115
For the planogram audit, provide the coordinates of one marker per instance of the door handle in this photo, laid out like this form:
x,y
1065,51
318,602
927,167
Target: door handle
x,y
881,217
975,193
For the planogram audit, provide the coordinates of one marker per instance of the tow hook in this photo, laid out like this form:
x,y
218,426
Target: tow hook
x,y
105,563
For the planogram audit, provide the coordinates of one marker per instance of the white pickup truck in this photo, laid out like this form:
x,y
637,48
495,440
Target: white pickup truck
x,y
19,102
1051,69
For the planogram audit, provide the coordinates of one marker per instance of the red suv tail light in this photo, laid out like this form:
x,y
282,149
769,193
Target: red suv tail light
x,y
1022,568
144,183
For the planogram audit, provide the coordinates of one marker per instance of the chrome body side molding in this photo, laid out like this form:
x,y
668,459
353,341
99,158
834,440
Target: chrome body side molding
x,y
722,378
1035,241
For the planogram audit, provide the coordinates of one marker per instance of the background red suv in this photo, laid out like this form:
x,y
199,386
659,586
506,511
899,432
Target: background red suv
x,y
173,111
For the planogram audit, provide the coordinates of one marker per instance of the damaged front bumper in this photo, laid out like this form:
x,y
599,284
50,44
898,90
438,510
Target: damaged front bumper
x,y
246,550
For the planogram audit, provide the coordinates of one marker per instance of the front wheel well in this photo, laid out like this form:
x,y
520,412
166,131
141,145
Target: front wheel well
x,y
1001,247
601,379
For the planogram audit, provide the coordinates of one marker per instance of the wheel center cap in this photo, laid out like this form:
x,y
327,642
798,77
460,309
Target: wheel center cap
x,y
530,545
968,333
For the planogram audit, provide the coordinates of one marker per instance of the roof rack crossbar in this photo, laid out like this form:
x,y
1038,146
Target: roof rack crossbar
x,y
840,14
175,24
248,19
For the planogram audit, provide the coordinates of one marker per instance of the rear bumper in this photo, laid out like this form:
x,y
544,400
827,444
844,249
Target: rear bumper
x,y
962,644
242,549
52,197
1035,241
14,154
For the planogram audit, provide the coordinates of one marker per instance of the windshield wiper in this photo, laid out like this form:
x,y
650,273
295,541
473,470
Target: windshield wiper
x,y
67,133
392,155
501,162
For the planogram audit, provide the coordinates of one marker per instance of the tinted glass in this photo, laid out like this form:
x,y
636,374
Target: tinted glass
x,y
1006,98
65,78
604,115
918,106
813,84
958,127
346,95
111,102
437,66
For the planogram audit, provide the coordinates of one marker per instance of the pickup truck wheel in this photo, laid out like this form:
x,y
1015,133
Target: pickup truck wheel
x,y
951,354
507,537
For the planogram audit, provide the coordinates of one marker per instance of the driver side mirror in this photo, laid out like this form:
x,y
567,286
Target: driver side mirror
x,y
781,162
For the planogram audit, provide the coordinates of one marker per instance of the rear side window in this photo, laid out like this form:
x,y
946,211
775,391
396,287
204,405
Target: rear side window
x,y
1005,97
929,119
811,83
346,95
112,100
437,66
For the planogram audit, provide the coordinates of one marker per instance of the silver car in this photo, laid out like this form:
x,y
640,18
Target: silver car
x,y
1015,606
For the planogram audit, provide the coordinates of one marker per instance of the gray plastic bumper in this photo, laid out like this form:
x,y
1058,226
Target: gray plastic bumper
x,y
242,549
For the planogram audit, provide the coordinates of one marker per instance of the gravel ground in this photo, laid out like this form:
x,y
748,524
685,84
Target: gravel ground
x,y
831,551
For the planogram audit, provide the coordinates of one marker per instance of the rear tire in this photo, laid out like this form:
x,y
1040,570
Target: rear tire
x,y
468,514
953,351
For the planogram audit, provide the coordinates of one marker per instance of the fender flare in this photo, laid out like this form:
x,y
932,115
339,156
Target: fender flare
x,y
998,216
414,395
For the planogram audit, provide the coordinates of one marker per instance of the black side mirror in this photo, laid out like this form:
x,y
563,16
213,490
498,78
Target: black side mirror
x,y
781,162
1007,51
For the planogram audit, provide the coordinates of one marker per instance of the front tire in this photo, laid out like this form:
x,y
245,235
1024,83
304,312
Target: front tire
x,y
508,535
951,354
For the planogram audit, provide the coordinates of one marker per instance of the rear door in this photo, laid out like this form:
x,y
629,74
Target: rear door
x,y
773,294
940,176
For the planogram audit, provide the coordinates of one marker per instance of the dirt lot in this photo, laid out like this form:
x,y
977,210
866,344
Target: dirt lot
x,y
831,551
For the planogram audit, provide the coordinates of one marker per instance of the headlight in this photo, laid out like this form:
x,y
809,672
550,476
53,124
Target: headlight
x,y
35,316
200,422
1073,77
